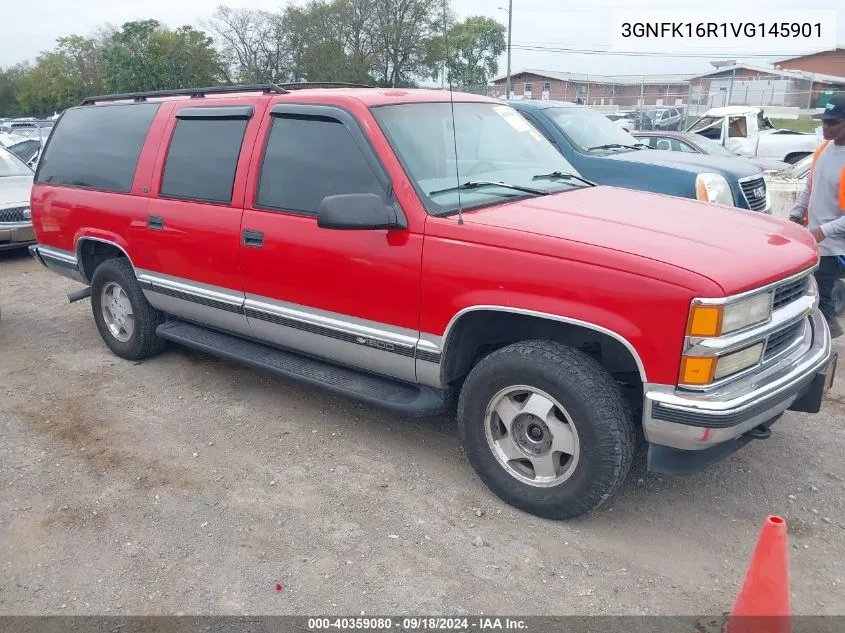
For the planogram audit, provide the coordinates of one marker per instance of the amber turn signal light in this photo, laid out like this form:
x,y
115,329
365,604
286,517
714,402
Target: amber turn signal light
x,y
705,321
697,370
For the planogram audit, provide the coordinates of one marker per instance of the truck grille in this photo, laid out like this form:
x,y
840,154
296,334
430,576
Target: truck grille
x,y
781,340
791,291
754,191
15,214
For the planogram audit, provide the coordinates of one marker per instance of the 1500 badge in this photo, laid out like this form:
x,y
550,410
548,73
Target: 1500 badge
x,y
374,343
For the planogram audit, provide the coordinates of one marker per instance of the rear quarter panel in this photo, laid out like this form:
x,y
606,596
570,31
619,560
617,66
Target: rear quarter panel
x,y
62,215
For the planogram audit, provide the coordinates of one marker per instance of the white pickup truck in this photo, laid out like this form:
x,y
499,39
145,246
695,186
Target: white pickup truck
x,y
746,131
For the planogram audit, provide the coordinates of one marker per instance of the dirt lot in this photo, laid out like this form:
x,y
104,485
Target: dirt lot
x,y
185,484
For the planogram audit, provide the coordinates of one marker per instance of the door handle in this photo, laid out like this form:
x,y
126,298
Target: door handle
x,y
155,223
253,238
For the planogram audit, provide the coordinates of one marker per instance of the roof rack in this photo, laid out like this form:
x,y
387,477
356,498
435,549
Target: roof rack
x,y
186,92
302,85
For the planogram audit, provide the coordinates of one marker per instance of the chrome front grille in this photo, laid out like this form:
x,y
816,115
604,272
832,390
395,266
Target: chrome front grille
x,y
783,339
789,292
14,215
754,190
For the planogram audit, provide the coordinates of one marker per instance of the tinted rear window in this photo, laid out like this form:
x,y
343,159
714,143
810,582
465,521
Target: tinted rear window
x,y
97,147
202,159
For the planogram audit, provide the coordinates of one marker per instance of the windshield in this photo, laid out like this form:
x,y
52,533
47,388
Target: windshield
x,y
10,165
586,128
494,144
712,147
705,122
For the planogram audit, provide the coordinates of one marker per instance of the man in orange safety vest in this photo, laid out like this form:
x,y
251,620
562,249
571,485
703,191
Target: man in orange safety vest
x,y
821,206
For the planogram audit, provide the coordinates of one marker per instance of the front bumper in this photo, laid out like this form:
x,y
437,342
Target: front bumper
x,y
673,419
16,235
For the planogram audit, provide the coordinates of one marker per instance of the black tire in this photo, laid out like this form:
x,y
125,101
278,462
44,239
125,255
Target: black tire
x,y
143,341
839,296
596,406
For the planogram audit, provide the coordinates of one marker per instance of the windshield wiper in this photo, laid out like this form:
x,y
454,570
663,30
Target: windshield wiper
x,y
477,184
616,146
559,175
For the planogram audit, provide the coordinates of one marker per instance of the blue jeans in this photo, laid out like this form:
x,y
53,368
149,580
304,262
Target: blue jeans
x,y
830,269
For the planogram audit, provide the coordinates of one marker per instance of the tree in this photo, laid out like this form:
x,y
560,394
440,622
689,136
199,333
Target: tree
x,y
62,77
144,56
252,45
404,28
331,41
474,47
10,83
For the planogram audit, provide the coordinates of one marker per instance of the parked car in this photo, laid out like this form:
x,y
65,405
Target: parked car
x,y
400,248
622,120
15,218
667,119
608,155
748,132
697,144
28,150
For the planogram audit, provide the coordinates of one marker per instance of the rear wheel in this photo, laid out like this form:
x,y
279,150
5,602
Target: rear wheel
x,y
126,321
546,428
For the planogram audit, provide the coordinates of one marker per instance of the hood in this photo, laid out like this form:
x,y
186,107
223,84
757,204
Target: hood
x,y
15,190
689,162
738,250
768,164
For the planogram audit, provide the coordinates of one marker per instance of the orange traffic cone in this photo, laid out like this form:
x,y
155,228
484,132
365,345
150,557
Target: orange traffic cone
x,y
762,605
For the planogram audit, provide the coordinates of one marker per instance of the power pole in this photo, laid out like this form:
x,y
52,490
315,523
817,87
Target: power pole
x,y
510,25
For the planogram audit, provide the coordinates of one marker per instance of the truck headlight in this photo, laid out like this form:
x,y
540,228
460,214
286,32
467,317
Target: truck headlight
x,y
716,320
713,188
702,370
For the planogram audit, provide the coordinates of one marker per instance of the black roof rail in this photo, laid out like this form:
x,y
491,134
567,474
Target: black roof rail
x,y
303,85
186,92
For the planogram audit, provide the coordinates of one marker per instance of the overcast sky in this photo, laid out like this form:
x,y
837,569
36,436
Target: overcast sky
x,y
583,24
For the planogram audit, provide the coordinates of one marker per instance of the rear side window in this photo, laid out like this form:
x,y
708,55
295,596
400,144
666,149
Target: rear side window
x,y
308,158
97,147
203,158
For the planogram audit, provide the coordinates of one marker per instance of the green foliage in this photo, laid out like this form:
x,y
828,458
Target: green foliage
x,y
474,47
381,42
147,56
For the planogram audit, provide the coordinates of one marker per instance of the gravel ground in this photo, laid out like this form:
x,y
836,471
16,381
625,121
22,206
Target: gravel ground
x,y
186,484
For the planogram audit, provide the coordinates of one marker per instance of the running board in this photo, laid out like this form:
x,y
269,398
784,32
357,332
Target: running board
x,y
404,398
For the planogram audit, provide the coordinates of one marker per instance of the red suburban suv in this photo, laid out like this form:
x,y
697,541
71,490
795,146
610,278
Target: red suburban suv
x,y
400,248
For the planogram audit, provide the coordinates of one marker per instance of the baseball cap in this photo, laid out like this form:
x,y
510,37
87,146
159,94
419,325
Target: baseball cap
x,y
835,109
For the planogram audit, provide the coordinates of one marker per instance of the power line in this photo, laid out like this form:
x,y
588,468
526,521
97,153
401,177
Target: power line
x,y
588,51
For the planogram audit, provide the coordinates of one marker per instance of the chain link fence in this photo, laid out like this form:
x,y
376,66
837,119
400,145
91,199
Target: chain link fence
x,y
647,104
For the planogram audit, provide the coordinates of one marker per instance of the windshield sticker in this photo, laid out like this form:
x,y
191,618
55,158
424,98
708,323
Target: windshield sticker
x,y
513,118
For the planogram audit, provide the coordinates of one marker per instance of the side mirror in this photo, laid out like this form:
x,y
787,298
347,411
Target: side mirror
x,y
358,211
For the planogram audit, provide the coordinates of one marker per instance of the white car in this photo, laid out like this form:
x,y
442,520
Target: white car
x,y
15,186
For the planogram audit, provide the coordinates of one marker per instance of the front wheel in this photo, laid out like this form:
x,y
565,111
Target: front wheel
x,y
126,321
546,428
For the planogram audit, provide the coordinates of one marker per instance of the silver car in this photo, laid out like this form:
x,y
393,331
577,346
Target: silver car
x,y
15,186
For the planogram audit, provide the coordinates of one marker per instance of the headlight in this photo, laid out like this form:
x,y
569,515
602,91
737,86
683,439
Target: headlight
x,y
702,370
716,320
713,188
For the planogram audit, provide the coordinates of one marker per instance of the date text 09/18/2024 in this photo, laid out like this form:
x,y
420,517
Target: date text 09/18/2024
x,y
478,623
